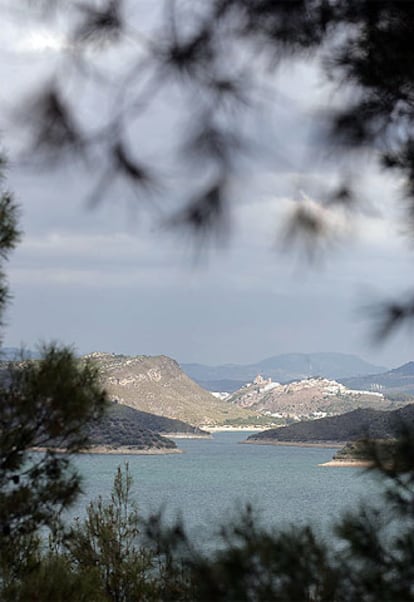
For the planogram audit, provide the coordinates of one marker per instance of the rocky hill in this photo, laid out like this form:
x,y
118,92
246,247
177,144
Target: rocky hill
x,y
309,398
158,385
123,427
157,424
397,381
351,426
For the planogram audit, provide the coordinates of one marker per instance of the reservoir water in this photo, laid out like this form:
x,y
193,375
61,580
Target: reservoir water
x,y
214,479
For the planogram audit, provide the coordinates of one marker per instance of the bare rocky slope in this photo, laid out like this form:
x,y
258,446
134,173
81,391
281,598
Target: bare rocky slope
x,y
156,384
309,398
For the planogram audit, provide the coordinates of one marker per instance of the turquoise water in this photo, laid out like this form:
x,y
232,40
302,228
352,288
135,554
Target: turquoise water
x,y
214,479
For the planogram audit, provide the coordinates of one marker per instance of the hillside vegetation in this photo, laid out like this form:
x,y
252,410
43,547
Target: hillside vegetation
x,y
351,426
121,427
152,422
359,451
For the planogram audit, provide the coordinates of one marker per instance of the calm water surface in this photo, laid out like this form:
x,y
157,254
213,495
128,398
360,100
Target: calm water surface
x,y
215,478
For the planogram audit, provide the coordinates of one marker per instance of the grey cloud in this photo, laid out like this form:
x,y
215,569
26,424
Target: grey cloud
x,y
112,279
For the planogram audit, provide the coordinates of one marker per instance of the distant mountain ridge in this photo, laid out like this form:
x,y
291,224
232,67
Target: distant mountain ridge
x,y
406,369
18,353
282,368
398,380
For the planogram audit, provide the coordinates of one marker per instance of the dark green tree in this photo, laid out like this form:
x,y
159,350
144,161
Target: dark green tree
x,y
106,542
44,406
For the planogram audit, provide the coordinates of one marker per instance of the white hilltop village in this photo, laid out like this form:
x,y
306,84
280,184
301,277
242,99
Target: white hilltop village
x,y
310,398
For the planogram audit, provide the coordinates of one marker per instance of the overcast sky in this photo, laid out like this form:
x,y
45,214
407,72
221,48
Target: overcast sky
x,y
111,279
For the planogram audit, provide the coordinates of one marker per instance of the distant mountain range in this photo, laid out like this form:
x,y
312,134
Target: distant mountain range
x,y
398,380
281,368
17,353
351,426
158,386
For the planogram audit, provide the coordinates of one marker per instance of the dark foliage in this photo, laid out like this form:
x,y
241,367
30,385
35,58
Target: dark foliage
x,y
351,426
120,416
44,404
122,426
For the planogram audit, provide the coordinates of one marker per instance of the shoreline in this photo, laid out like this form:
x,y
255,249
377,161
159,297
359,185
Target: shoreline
x,y
347,463
121,451
185,436
323,444
232,429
